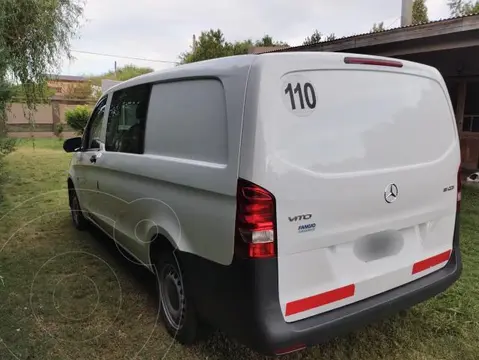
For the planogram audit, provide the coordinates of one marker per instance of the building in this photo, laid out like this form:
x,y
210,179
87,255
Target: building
x,y
67,92
62,85
451,46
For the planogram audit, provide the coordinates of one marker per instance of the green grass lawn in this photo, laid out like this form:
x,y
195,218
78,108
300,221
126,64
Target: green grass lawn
x,y
66,294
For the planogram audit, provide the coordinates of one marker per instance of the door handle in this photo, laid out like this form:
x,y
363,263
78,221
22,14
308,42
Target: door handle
x,y
93,159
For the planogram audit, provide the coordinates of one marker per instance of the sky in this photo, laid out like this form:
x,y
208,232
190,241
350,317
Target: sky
x,y
163,29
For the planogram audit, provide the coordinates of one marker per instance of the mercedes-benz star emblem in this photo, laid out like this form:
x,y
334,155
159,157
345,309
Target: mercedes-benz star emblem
x,y
391,193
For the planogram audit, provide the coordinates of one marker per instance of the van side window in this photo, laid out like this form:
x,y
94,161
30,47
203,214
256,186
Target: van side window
x,y
188,120
125,130
92,135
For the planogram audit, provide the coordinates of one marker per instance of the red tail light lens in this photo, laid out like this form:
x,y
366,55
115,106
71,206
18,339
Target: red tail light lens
x,y
459,189
255,221
369,61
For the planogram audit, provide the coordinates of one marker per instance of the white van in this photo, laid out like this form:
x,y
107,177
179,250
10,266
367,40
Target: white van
x,y
283,198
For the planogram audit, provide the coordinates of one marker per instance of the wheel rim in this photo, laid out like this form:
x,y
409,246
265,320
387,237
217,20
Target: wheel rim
x,y
172,296
75,210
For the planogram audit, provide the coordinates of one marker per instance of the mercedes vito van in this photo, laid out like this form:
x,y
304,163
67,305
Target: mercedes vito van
x,y
282,198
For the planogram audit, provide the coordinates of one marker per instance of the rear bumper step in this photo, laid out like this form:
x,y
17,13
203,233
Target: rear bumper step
x,y
242,300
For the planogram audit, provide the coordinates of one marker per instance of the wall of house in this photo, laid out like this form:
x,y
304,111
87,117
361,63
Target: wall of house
x,y
63,87
44,119
18,114
40,134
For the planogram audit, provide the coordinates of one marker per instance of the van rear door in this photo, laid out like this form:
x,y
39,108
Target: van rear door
x,y
362,159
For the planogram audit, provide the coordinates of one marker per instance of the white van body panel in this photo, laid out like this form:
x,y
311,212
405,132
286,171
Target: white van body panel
x,y
372,126
189,200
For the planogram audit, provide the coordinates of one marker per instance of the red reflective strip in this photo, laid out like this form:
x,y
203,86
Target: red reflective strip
x,y
315,301
290,349
430,262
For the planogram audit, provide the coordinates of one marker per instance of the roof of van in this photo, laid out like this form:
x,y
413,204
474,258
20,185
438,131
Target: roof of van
x,y
234,65
221,65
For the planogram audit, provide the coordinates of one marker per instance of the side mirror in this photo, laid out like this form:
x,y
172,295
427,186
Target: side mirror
x,y
72,145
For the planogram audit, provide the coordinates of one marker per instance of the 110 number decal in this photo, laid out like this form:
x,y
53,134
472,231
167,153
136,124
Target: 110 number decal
x,y
305,94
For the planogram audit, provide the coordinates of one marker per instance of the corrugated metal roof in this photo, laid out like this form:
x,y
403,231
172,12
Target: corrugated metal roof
x,y
399,28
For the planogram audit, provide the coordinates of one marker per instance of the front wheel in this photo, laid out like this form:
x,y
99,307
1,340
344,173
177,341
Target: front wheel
x,y
79,221
176,307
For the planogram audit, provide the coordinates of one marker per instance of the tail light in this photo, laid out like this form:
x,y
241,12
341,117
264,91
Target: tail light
x,y
459,188
370,61
255,221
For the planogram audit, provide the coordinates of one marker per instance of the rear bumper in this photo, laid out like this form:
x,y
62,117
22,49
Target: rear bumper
x,y
245,305
320,328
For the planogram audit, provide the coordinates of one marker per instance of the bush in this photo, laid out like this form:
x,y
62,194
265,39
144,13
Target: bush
x,y
78,117
59,130
7,145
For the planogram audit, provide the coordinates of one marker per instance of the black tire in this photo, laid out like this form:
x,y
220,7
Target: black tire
x,y
176,307
79,221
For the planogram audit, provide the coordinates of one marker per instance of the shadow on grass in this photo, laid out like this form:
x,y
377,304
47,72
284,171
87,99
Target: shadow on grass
x,y
216,345
124,262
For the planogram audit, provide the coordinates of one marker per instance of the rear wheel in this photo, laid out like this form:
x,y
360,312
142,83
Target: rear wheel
x,y
79,221
176,307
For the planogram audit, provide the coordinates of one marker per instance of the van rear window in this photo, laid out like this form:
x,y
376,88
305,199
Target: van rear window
x,y
363,121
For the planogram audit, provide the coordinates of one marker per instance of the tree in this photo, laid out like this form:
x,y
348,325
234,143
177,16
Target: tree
x,y
316,37
313,39
463,7
419,12
268,41
6,145
212,44
42,93
122,73
34,37
378,27
331,37
240,47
